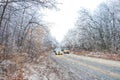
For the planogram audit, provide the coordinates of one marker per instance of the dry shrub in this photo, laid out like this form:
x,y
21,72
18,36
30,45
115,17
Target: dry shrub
x,y
13,66
99,54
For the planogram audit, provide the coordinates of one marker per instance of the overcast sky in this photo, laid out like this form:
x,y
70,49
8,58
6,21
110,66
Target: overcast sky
x,y
64,19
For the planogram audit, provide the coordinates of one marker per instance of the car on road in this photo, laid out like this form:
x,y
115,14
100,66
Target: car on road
x,y
58,51
66,51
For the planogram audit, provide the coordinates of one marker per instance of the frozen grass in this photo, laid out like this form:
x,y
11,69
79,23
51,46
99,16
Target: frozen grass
x,y
97,54
41,68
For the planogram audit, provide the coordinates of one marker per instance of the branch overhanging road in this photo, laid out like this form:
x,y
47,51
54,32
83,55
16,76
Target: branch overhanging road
x,y
87,68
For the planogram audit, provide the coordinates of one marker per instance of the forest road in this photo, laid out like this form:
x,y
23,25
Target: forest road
x,y
89,68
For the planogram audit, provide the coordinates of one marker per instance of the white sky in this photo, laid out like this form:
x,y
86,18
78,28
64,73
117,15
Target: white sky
x,y
63,20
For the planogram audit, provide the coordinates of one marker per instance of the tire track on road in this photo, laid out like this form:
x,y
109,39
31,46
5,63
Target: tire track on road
x,y
83,75
109,73
99,65
98,60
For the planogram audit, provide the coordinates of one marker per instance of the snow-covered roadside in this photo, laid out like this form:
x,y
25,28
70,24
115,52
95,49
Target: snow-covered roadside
x,y
41,68
46,70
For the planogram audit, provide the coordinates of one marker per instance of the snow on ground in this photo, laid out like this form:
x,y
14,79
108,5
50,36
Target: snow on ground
x,y
47,70
41,68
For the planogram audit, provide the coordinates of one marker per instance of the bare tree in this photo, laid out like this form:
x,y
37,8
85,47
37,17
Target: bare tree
x,y
99,30
17,18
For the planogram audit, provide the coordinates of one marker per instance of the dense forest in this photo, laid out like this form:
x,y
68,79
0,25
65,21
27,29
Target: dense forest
x,y
27,46
22,28
25,38
98,30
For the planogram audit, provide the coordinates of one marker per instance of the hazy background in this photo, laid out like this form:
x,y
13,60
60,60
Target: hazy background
x,y
64,19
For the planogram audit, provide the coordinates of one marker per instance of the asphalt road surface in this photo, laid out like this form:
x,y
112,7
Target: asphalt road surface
x,y
88,68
